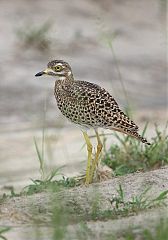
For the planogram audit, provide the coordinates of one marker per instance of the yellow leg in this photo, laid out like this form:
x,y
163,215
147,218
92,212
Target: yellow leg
x,y
89,161
96,160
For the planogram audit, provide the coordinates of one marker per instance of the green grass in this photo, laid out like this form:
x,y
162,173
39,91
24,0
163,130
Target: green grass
x,y
47,181
131,155
3,230
60,219
38,186
120,207
63,215
126,157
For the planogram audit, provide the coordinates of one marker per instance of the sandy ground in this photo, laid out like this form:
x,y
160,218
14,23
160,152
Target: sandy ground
x,y
80,200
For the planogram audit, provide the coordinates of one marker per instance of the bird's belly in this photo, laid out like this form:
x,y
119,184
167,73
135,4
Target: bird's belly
x,y
79,114
75,114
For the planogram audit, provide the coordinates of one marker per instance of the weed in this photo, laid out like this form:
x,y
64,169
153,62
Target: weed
x,y
6,195
2,231
40,158
59,221
137,203
133,156
48,185
40,151
95,206
121,207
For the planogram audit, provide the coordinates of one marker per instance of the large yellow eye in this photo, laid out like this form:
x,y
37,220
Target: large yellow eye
x,y
58,68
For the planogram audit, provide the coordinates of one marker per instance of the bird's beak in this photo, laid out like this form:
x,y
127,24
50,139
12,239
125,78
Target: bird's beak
x,y
46,71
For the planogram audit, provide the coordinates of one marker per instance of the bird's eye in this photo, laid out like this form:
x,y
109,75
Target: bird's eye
x,y
58,68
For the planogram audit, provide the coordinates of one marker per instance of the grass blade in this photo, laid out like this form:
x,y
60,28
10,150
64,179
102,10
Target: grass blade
x,y
40,158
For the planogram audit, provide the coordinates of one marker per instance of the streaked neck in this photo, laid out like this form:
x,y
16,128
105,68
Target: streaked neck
x,y
67,78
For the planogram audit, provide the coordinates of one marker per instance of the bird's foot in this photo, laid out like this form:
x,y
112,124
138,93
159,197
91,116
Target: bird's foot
x,y
102,173
82,180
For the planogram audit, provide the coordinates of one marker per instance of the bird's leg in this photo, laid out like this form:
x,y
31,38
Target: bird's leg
x,y
98,152
89,161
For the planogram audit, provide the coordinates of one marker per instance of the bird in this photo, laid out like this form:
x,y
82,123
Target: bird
x,y
89,106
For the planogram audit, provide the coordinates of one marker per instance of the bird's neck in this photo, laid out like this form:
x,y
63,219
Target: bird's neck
x,y
67,78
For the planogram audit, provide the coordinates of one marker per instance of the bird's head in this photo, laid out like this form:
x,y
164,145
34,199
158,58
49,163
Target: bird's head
x,y
57,68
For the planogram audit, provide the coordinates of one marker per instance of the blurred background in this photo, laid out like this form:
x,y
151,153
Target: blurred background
x,y
118,44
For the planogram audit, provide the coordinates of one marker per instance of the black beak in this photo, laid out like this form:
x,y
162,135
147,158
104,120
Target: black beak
x,y
39,74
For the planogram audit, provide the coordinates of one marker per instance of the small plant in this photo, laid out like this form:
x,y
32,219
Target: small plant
x,y
2,231
133,156
95,206
32,36
48,185
47,182
121,207
137,203
59,221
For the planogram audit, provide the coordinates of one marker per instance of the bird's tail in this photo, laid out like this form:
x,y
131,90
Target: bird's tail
x,y
131,133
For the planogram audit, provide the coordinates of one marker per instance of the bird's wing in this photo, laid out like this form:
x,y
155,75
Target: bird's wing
x,y
103,105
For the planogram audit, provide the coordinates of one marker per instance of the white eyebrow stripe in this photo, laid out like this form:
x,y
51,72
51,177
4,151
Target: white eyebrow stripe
x,y
59,64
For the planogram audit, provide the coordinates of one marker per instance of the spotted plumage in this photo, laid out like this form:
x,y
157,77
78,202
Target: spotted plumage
x,y
88,104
